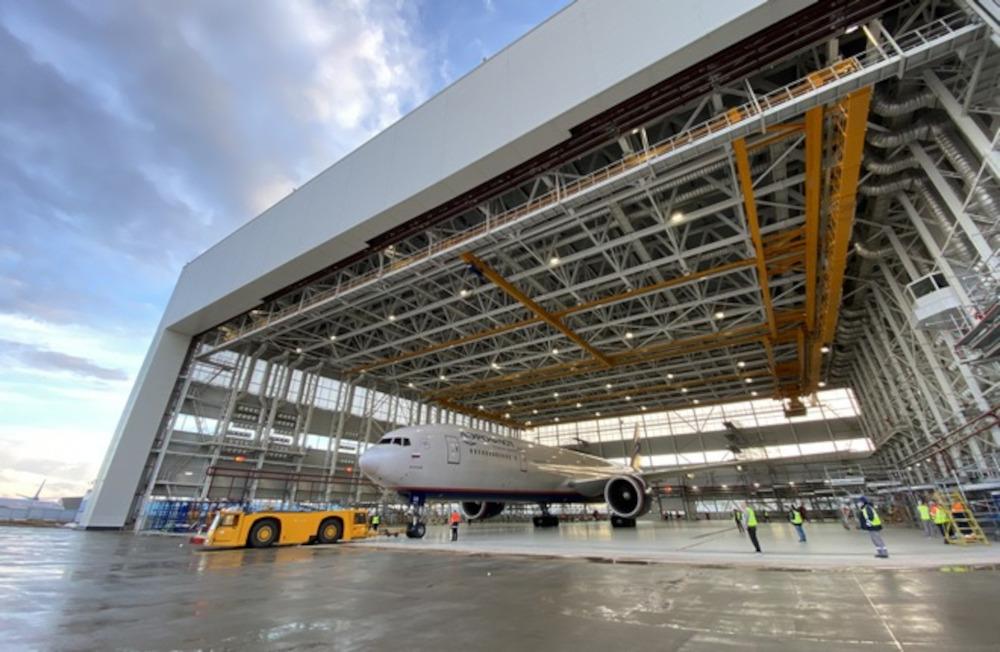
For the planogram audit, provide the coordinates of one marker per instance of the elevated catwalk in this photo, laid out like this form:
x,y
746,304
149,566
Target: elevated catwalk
x,y
702,543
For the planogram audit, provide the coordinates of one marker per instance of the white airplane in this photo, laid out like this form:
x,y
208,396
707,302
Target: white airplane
x,y
485,471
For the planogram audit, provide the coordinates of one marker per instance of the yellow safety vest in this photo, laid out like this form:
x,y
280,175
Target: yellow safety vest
x,y
940,516
751,517
796,517
925,512
376,519
874,520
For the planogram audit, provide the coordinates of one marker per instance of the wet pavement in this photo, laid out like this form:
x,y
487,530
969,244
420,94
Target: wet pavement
x,y
706,543
67,590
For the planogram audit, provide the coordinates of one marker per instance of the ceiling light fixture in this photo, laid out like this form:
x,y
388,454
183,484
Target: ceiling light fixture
x,y
741,364
719,314
824,349
677,217
554,261
629,335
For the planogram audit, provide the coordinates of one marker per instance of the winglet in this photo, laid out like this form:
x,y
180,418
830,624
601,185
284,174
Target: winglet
x,y
635,462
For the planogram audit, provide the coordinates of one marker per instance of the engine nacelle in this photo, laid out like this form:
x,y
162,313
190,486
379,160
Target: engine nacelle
x,y
626,496
479,511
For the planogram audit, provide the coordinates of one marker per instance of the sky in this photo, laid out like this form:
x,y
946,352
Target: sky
x,y
134,134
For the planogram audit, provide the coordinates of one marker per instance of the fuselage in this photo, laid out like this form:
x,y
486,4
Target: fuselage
x,y
456,463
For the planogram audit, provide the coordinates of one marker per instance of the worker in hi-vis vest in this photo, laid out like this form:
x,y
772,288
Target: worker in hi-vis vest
x,y
924,513
750,518
454,520
376,520
796,518
941,519
870,521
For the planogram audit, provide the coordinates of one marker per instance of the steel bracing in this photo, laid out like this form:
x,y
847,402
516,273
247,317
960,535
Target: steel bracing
x,y
764,240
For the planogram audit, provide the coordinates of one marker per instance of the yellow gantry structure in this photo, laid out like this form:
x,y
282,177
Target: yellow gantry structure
x,y
531,305
818,246
849,124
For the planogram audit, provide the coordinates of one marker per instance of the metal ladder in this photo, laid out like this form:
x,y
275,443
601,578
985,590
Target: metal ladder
x,y
961,530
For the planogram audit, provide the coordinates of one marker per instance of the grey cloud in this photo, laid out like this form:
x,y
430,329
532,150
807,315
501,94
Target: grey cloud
x,y
135,135
27,355
53,468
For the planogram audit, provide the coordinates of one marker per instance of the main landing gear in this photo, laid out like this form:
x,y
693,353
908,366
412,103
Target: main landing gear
x,y
416,529
546,519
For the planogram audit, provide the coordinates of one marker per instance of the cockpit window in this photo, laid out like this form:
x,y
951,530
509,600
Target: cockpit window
x,y
405,441
384,440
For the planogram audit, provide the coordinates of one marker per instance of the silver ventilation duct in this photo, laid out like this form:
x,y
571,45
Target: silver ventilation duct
x,y
892,107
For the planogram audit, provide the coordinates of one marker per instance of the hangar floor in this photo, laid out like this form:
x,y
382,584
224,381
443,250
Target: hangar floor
x,y
705,543
62,589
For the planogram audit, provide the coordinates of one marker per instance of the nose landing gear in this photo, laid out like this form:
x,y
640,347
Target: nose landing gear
x,y
416,529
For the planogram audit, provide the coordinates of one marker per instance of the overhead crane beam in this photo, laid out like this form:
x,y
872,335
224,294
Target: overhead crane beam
x,y
531,305
814,183
652,353
665,284
753,223
639,391
850,124
814,188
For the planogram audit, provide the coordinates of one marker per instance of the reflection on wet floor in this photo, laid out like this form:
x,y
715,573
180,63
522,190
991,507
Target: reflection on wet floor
x,y
82,591
703,542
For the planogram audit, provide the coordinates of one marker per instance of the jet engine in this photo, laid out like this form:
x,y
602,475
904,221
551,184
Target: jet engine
x,y
626,497
480,511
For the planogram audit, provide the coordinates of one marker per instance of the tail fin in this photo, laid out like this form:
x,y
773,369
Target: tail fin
x,y
635,462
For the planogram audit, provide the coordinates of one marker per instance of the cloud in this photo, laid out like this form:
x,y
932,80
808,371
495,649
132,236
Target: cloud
x,y
13,354
140,135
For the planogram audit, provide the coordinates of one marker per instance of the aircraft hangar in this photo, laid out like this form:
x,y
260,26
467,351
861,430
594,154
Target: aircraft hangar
x,y
748,248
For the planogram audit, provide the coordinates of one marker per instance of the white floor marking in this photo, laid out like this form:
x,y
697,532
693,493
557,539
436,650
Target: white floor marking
x,y
885,623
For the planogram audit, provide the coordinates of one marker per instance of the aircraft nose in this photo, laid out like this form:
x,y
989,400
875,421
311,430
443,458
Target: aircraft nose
x,y
371,461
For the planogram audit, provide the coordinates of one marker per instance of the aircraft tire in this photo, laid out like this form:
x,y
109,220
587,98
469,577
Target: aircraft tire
x,y
545,521
618,521
416,531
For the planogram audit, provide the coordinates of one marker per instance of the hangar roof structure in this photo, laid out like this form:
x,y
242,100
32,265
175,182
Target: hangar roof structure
x,y
696,258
